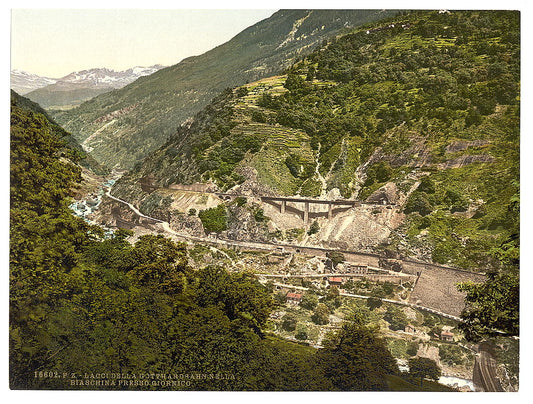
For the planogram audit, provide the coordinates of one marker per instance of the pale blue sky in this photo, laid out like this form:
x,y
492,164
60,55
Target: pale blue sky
x,y
56,42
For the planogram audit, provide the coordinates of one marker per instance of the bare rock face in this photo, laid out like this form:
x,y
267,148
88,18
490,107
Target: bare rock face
x,y
417,154
112,213
359,228
465,160
251,186
387,194
460,145
191,225
243,227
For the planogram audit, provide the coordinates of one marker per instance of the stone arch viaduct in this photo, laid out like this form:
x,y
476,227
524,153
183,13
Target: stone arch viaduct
x,y
301,206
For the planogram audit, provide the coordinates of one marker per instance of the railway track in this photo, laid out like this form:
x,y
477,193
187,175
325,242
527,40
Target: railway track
x,y
370,259
485,372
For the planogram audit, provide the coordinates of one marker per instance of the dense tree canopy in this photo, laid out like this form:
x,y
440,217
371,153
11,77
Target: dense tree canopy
x,y
354,359
85,303
424,368
214,219
492,306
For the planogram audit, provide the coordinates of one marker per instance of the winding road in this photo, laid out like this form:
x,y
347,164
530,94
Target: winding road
x,y
485,368
266,246
137,211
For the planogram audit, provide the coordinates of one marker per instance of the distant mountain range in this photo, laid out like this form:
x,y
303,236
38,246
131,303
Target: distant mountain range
x,y
76,87
23,82
123,126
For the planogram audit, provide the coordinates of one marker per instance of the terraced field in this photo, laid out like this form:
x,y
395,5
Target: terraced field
x,y
278,142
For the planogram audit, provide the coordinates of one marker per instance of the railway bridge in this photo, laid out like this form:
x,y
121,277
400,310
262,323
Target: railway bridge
x,y
302,206
293,204
282,203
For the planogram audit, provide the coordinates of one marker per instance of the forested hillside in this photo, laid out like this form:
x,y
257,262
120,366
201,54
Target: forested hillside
x,y
123,126
89,311
422,108
72,146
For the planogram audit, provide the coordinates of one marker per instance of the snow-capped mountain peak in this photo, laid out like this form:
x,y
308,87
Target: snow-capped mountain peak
x,y
23,82
103,77
98,78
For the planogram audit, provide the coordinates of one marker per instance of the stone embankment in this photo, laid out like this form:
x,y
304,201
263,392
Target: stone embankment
x,y
435,288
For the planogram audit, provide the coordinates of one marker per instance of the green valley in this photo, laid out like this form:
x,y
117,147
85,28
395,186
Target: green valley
x,y
330,201
124,125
